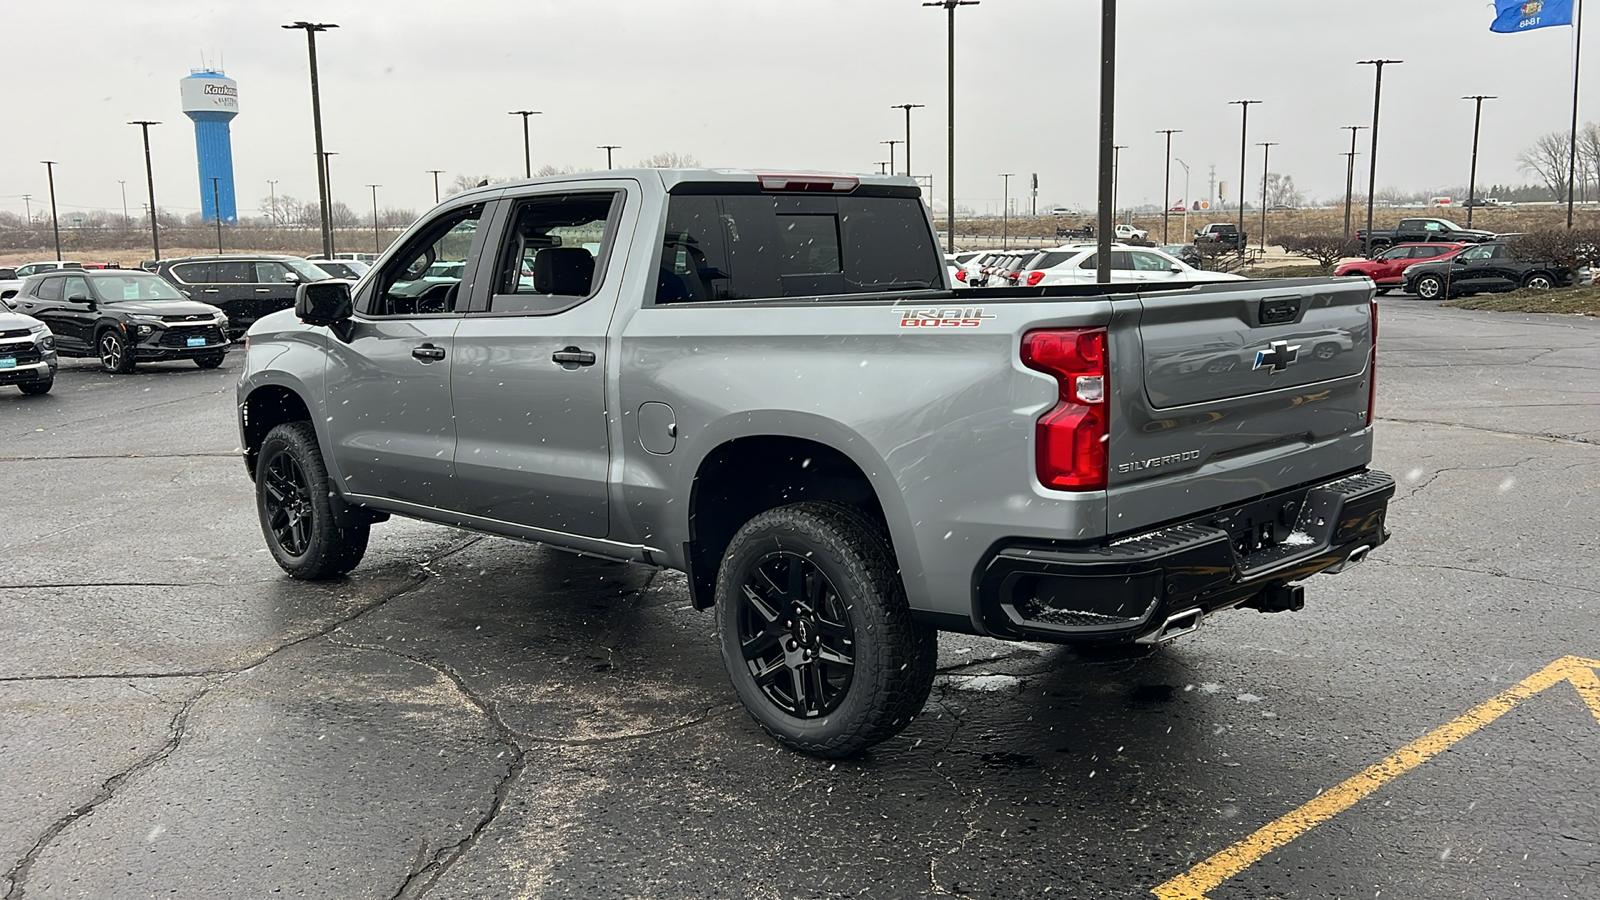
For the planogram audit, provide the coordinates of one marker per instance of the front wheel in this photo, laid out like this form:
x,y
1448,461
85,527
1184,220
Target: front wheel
x,y
1538,281
37,387
293,503
1430,287
816,632
210,360
116,356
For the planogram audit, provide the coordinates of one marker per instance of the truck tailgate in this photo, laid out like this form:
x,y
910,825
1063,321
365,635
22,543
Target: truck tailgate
x,y
1234,391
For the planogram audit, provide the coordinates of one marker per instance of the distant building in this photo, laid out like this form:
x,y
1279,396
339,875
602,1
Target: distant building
x,y
211,99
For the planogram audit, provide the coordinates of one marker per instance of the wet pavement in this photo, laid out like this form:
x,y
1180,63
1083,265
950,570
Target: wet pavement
x,y
468,717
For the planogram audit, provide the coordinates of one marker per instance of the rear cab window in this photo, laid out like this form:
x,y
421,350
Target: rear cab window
x,y
752,246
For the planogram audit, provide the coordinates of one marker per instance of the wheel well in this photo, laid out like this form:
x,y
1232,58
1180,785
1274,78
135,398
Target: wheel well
x,y
265,409
748,476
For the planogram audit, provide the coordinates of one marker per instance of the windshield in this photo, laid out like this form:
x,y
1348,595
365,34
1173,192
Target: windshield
x,y
305,270
134,286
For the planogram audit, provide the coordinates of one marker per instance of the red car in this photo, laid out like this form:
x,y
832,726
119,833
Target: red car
x,y
1388,268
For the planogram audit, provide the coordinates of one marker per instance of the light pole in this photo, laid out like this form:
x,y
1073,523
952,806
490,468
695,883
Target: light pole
x,y
608,148
1166,183
908,107
527,153
150,182
1244,130
375,245
214,197
327,199
1472,180
1372,151
950,197
1005,210
1106,187
1116,174
1350,175
27,206
55,226
891,153
124,185
1186,203
883,167
311,29
272,201
1266,152
1572,141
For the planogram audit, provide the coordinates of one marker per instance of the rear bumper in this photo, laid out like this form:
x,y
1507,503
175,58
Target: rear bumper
x,y
1135,588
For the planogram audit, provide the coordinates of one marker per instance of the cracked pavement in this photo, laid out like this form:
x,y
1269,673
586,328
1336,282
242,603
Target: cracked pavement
x,y
468,717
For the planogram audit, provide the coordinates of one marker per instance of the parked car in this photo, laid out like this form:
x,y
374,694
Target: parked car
x,y
352,269
245,287
27,353
1412,231
1387,269
1128,264
1129,234
1224,233
1484,268
124,317
351,257
1010,466
35,268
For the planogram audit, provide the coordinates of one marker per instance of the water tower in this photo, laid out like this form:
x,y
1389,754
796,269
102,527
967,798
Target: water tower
x,y
211,99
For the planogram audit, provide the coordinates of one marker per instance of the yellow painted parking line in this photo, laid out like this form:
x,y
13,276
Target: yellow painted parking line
x,y
1193,884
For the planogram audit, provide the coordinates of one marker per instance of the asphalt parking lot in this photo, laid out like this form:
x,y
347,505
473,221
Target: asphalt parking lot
x,y
471,717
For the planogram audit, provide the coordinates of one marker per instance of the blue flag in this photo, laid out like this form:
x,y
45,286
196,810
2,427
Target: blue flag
x,y
1511,16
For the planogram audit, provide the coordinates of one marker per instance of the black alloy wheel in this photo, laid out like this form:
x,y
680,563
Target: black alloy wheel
x,y
816,633
294,506
1430,287
116,356
210,360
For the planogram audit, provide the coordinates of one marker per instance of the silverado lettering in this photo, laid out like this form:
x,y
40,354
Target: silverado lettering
x,y
1158,461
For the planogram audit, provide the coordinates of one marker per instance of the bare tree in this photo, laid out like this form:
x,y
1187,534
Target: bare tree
x,y
468,182
1282,192
547,170
670,160
1324,249
1547,159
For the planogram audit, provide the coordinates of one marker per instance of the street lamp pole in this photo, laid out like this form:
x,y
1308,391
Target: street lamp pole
x,y
1105,193
527,153
55,226
1244,145
1116,174
1266,155
1186,202
891,153
608,148
435,174
1372,151
311,29
124,186
883,167
327,199
908,107
950,197
150,182
1166,183
1005,210
376,247
1472,180
214,199
272,201
1350,175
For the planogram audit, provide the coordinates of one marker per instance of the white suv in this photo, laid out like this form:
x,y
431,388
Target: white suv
x,y
1128,264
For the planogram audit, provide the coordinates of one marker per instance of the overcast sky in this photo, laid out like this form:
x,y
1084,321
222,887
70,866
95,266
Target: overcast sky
x,y
412,85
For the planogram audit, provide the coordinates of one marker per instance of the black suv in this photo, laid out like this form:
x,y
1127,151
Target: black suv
x,y
124,316
245,287
1485,268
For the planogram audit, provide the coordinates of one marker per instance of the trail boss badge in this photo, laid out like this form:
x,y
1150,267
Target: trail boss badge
x,y
944,317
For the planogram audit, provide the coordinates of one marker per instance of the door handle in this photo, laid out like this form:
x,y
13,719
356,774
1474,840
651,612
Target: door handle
x,y
572,356
212,291
428,352
263,290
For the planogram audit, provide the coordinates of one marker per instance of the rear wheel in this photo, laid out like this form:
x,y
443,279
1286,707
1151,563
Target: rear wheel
x,y
1430,287
1538,281
816,633
116,356
38,387
210,360
1325,351
296,512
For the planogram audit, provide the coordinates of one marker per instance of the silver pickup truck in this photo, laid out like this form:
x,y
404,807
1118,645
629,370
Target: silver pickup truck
x,y
766,382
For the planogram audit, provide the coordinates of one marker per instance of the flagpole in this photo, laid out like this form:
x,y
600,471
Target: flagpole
x,y
1572,158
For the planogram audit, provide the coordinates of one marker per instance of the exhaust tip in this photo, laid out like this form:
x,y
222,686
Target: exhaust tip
x,y
1177,625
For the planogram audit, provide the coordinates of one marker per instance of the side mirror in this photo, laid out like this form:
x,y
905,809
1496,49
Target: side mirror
x,y
291,277
1177,270
79,298
324,303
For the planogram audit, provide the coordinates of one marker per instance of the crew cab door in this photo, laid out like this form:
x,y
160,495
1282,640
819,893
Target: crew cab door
x,y
530,359
389,414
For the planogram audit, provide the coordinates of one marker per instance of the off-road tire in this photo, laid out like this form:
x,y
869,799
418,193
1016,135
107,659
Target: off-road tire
x,y
37,387
296,513
115,355
893,656
1430,287
210,360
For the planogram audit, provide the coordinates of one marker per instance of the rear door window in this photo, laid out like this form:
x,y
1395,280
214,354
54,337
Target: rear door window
x,y
50,289
234,272
759,246
194,273
553,254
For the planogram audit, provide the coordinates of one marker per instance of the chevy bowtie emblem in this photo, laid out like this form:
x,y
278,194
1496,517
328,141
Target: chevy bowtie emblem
x,y
1277,357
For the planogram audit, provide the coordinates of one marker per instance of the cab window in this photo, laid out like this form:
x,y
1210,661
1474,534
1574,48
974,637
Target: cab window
x,y
194,273
552,256
1148,262
425,277
76,286
49,289
1478,252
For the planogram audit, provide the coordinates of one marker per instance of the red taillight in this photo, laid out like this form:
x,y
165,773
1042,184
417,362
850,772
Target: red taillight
x,y
841,183
1071,438
961,274
1372,365
1034,278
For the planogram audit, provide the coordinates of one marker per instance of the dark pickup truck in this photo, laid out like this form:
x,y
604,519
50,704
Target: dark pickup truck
x,y
1225,233
1411,231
